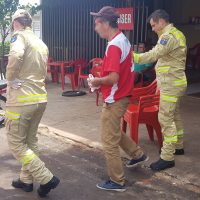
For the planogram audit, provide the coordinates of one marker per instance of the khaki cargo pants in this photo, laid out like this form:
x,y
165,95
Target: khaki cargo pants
x,y
22,125
113,138
171,124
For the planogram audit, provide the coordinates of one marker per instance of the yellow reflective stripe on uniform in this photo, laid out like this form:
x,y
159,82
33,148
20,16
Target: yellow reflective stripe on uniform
x,y
181,39
181,82
180,133
28,157
12,115
136,57
163,69
32,98
168,98
179,35
171,139
28,153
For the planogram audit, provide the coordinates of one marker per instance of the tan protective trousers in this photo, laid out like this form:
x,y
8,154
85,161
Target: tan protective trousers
x,y
172,128
22,124
113,138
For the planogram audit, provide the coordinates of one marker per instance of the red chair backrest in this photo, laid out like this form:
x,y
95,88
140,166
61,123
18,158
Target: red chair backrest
x,y
143,91
96,66
80,64
96,71
149,101
96,62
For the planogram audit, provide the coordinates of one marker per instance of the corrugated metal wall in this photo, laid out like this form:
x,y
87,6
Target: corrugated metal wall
x,y
68,28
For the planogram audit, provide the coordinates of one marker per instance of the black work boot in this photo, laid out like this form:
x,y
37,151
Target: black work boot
x,y
24,186
43,190
179,152
162,164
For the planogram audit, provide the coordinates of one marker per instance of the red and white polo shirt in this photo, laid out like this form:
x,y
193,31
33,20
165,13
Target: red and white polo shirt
x,y
118,58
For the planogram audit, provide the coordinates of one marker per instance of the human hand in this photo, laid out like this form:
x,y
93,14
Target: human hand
x,y
93,82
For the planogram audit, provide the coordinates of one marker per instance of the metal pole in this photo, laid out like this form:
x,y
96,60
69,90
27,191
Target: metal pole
x,y
134,10
147,13
138,21
142,25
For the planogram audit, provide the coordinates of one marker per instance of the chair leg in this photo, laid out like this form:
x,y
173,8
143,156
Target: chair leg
x,y
62,81
83,82
79,83
52,77
150,132
56,77
72,82
97,98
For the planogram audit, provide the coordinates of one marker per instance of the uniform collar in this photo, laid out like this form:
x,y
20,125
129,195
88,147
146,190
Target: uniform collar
x,y
23,29
28,28
165,29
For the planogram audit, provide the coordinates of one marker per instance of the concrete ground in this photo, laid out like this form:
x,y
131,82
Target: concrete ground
x,y
70,142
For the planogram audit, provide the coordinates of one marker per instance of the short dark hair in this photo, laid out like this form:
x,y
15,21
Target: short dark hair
x,y
25,21
112,23
159,14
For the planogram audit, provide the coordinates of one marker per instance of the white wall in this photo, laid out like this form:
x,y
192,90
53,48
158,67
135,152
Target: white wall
x,y
36,24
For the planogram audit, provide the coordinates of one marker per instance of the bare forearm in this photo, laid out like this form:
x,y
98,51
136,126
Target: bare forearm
x,y
107,80
110,79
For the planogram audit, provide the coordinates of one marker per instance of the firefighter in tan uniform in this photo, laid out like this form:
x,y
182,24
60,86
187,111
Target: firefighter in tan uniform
x,y
26,103
170,54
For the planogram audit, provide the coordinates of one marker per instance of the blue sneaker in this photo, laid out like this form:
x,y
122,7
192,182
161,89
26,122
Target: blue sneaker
x,y
135,162
112,186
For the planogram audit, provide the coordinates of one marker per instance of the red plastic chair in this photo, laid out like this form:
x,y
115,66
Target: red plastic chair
x,y
96,62
53,70
81,65
96,72
146,112
69,69
143,91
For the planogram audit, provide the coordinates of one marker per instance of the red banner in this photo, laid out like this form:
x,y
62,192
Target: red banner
x,y
126,20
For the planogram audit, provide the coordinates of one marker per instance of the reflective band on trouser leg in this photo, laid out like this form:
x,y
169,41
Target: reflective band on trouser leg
x,y
163,69
12,115
179,144
180,134
29,156
32,98
136,57
168,98
181,82
170,139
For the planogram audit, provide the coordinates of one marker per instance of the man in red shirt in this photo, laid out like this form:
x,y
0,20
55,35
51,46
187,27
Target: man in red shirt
x,y
116,84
